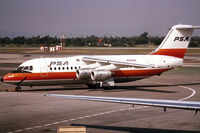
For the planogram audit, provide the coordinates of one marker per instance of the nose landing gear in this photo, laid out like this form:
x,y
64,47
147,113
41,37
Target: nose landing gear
x,y
18,88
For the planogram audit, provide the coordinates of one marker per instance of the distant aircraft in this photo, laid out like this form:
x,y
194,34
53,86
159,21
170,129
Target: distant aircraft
x,y
104,70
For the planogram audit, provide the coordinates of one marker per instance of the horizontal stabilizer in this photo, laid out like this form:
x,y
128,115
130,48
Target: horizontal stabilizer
x,y
180,27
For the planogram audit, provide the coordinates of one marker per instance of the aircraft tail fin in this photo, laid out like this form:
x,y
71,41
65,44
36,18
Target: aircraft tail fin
x,y
176,42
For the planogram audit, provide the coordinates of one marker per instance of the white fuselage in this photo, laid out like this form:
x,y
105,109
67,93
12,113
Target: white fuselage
x,y
61,71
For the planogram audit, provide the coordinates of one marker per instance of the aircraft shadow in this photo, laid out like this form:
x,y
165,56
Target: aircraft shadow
x,y
111,89
134,129
145,88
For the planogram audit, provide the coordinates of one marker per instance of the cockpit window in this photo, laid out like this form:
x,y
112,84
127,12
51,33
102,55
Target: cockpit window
x,y
31,68
20,68
23,69
26,68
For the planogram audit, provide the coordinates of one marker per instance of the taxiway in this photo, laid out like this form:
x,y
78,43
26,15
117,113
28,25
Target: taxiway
x,y
31,111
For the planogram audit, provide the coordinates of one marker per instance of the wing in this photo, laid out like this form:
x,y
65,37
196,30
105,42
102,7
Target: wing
x,y
187,105
116,63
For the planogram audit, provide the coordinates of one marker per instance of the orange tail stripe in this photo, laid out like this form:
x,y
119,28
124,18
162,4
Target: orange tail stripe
x,y
171,52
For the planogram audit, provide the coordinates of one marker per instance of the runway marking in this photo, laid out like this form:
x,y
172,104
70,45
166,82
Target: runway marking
x,y
193,93
6,89
185,87
78,118
106,112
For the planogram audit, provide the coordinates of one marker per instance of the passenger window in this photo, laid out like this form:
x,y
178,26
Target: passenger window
x,y
54,68
72,68
75,67
58,68
50,68
63,68
67,68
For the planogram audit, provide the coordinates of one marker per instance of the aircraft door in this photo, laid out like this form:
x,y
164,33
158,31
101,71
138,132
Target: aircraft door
x,y
150,61
43,68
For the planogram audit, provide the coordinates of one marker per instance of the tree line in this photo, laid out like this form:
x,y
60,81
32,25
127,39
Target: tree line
x,y
36,41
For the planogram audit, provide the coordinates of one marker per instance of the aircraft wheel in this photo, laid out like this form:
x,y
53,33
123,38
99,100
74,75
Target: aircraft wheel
x,y
18,88
97,85
107,87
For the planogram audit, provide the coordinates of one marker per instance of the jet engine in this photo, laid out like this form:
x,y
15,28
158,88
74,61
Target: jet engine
x,y
82,74
100,75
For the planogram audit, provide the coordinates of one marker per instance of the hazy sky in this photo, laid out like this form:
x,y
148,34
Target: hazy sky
x,y
98,17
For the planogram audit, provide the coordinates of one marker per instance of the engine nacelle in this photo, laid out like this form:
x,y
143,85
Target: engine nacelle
x,y
83,74
100,75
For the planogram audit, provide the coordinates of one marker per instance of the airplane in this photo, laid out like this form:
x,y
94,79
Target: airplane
x,y
104,70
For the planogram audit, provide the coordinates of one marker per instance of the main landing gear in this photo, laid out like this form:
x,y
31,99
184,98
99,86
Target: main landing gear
x,y
98,85
95,86
18,88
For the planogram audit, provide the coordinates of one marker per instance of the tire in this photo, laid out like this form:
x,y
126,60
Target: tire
x,y
18,89
91,86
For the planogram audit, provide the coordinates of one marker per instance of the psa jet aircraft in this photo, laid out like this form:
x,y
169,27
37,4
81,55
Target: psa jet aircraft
x,y
104,70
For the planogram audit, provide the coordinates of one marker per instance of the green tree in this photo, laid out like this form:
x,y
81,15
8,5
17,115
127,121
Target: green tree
x,y
19,40
142,39
5,40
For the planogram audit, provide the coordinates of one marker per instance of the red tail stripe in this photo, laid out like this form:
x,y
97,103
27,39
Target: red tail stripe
x,y
171,52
